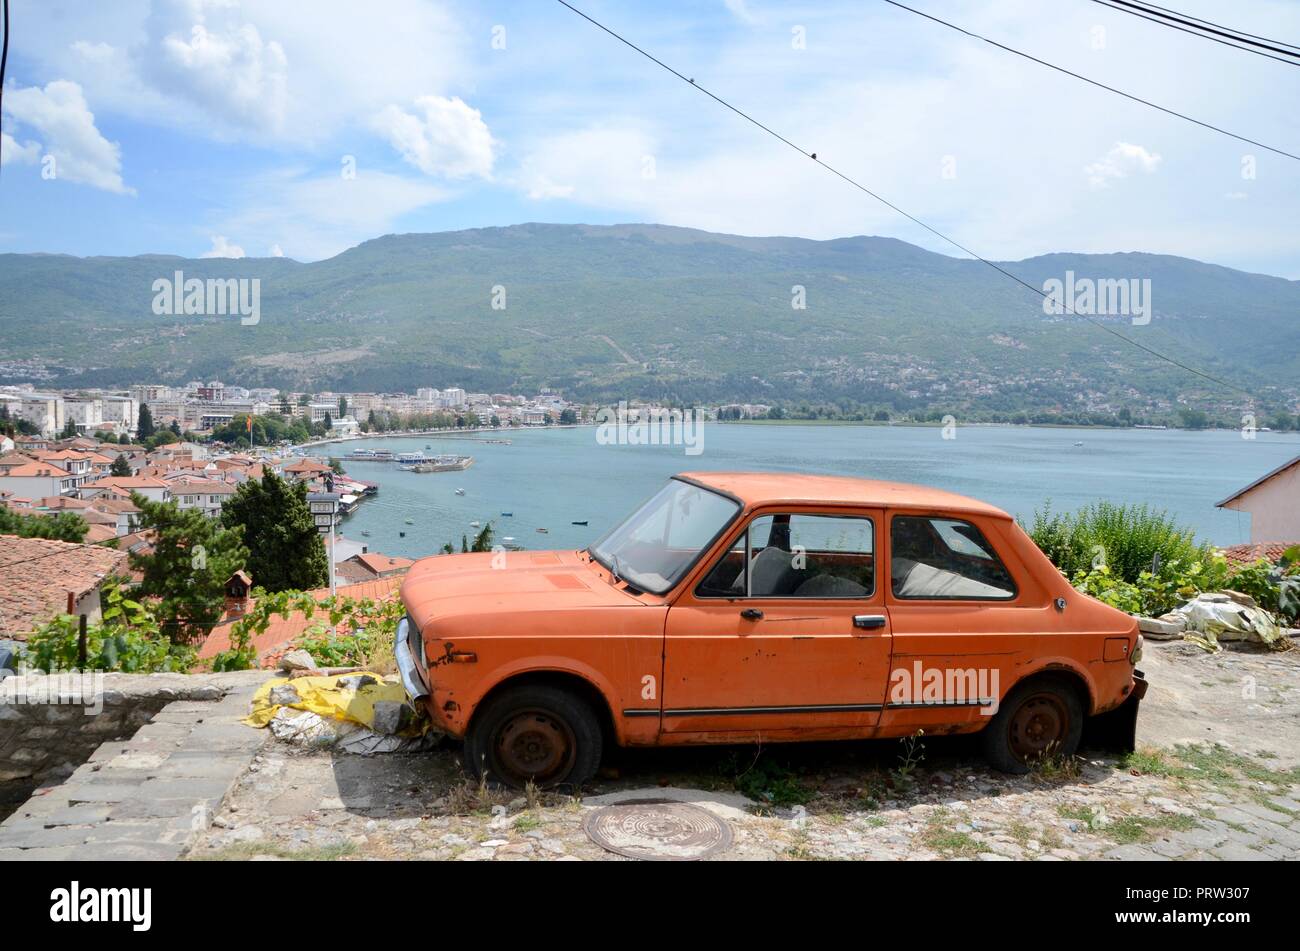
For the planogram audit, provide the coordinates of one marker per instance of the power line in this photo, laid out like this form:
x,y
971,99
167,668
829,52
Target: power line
x,y
812,155
4,60
1094,82
1188,16
1180,22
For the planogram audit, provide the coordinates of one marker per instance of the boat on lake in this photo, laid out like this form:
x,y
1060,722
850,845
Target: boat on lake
x,y
583,522
460,491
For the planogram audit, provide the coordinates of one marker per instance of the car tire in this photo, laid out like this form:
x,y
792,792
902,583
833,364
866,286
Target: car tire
x,y
545,734
1041,717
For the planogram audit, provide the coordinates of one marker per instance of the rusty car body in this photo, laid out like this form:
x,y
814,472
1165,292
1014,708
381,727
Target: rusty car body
x,y
734,607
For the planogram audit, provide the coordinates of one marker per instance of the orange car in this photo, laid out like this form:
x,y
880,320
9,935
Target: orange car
x,y
734,607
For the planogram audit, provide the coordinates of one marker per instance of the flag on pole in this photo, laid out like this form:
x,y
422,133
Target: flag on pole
x,y
249,422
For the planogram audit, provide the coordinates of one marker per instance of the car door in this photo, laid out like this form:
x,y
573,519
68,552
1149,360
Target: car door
x,y
966,618
786,630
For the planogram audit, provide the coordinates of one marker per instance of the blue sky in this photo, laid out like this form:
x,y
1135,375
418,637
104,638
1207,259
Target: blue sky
x,y
224,127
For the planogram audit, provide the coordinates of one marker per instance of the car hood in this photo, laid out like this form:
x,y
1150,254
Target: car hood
x,y
507,582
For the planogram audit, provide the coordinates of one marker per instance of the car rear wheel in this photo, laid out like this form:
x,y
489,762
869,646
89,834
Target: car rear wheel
x,y
539,733
1037,720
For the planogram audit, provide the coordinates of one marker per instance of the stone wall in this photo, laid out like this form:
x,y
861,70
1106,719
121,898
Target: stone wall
x,y
50,725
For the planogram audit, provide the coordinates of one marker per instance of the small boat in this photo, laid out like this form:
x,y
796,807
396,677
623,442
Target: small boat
x,y
583,522
507,514
460,491
544,531
1078,444
410,521
475,525
366,534
508,539
428,446
401,534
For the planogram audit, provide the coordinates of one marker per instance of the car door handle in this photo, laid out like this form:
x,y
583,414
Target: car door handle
x,y
869,622
752,614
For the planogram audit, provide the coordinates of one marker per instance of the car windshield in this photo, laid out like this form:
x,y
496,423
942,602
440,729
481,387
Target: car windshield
x,y
653,548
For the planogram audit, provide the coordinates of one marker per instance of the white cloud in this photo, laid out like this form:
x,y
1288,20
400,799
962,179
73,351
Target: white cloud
x,y
277,251
59,115
279,74
443,137
14,153
1123,159
317,216
221,248
740,10
224,66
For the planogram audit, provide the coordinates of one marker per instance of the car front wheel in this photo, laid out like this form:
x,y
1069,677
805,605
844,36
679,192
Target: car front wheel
x,y
540,733
1037,720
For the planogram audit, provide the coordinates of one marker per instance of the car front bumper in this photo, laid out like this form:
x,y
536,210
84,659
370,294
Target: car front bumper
x,y
408,650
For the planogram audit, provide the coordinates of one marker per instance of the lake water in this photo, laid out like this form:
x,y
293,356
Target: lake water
x,y
550,478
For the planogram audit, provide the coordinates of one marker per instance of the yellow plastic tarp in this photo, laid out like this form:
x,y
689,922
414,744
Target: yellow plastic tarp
x,y
331,697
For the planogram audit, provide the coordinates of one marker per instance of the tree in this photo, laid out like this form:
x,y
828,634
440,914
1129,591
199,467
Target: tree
x,y
121,467
175,427
343,406
69,430
285,408
192,558
64,527
144,424
285,550
328,424
568,417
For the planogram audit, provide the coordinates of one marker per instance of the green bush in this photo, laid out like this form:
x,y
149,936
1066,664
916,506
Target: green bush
x,y
1275,588
127,640
1153,593
1124,538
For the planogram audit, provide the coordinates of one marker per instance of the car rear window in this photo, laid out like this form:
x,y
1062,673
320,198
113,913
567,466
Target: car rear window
x,y
933,558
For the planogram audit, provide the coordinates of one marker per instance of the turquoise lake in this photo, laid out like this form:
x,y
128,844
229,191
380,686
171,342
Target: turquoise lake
x,y
551,478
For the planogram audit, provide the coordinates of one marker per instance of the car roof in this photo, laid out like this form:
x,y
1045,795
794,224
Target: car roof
x,y
758,488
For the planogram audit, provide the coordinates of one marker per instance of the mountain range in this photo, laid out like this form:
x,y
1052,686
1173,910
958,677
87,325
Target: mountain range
x,y
653,311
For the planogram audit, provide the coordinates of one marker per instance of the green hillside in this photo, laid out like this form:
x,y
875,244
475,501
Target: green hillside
x,y
654,311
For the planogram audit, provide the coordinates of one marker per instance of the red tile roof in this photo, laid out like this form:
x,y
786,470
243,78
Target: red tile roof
x,y
1249,554
36,575
282,632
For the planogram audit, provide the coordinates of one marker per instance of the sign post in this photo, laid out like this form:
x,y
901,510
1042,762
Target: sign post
x,y
324,508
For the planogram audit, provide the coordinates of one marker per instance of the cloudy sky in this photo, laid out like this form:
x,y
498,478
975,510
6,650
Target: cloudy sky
x,y
268,127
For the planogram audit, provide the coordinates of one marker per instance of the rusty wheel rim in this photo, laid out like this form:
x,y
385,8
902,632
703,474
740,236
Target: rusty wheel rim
x,y
1039,725
535,745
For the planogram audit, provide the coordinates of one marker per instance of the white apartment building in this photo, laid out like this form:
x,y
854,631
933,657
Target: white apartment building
x,y
46,411
87,413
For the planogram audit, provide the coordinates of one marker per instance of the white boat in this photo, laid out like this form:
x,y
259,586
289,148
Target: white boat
x,y
474,525
460,491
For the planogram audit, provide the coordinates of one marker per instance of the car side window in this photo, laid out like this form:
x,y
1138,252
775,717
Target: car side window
x,y
797,556
945,559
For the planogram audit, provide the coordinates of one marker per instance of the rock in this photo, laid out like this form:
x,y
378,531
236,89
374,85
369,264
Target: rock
x,y
388,717
245,834
285,695
298,660
1170,806
1165,628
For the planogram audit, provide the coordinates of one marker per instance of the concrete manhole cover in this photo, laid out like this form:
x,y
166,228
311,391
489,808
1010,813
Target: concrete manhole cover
x,y
658,830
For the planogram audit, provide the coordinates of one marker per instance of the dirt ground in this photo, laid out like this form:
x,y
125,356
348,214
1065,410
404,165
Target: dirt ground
x,y
1216,776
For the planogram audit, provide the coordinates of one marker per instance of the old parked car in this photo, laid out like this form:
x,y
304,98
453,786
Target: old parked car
x,y
739,606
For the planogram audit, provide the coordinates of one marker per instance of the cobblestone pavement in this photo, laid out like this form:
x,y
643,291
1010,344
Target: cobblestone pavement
x,y
1216,776
150,796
